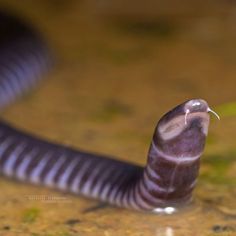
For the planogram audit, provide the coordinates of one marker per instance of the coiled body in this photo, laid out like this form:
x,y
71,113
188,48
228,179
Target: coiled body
x,y
173,159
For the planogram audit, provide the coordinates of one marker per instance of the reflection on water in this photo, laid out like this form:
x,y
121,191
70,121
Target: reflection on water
x,y
166,210
167,231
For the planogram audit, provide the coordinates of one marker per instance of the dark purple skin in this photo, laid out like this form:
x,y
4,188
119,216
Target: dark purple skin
x,y
164,184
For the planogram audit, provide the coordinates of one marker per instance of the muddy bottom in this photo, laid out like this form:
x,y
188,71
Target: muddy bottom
x,y
114,78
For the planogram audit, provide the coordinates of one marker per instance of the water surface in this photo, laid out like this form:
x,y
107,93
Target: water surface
x,y
114,78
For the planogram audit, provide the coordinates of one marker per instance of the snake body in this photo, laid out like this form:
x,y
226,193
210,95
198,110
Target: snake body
x,y
168,178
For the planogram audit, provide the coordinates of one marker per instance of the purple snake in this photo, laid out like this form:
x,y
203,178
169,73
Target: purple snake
x,y
164,184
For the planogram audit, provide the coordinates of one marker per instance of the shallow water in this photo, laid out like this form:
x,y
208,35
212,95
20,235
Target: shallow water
x,y
116,74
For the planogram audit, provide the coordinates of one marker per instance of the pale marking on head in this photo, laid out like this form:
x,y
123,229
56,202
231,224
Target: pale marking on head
x,y
175,126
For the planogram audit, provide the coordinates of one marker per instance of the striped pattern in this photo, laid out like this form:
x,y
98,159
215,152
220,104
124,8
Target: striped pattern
x,y
173,160
20,71
23,59
33,160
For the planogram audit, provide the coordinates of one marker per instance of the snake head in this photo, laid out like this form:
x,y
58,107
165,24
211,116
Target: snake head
x,y
182,131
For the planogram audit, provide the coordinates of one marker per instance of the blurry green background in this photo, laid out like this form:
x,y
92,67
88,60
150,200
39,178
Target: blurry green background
x,y
119,66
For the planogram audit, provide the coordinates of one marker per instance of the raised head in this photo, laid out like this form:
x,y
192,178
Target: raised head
x,y
174,155
182,131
